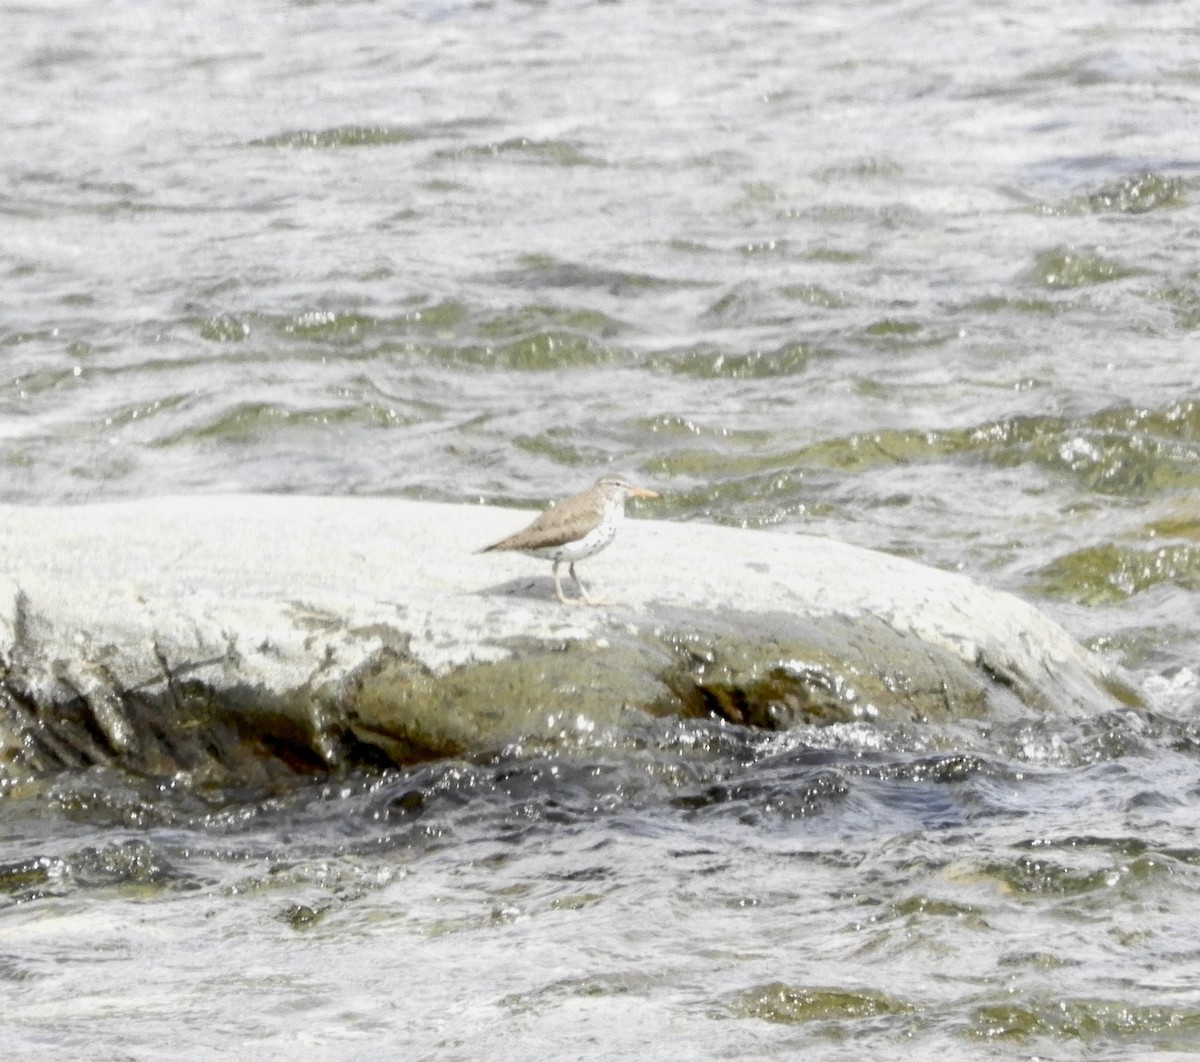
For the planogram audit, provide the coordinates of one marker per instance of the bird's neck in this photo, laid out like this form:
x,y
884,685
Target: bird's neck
x,y
614,509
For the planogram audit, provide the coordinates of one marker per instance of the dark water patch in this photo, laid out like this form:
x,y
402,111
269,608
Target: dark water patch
x,y
679,426
740,305
335,329
755,801
591,987
756,195
869,169
241,838
247,423
1075,267
535,337
891,217
790,1004
545,271
502,800
1137,193
1043,875
696,771
898,335
30,384
134,862
537,318
770,248
91,199
853,789
1184,301
346,136
554,792
436,318
1121,848
1122,451
835,255
856,452
30,879
743,499
19,339
549,152
921,908
949,768
763,484
709,361
328,326
816,295
1133,450
117,800
1023,307
141,412
544,351
128,864
1098,1022
1086,70
224,328
302,916
1104,738
564,447
890,326
1104,574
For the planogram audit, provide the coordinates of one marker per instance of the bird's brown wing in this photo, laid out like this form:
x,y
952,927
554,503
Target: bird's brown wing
x,y
552,528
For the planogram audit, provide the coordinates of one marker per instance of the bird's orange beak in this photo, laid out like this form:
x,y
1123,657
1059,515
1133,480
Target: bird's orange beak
x,y
641,492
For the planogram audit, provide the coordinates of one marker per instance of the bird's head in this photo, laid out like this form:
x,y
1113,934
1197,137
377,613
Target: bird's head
x,y
623,484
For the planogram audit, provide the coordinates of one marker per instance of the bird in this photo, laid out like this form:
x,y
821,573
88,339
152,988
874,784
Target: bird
x,y
575,528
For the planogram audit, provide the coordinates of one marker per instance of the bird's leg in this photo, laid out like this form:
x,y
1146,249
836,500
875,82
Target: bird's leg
x,y
583,594
558,586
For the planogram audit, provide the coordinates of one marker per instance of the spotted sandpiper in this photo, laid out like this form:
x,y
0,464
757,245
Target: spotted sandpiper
x,y
574,528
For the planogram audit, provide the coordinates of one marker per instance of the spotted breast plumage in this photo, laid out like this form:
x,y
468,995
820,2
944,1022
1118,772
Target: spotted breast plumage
x,y
574,529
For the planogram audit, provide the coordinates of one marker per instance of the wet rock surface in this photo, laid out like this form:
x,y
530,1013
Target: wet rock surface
x,y
240,636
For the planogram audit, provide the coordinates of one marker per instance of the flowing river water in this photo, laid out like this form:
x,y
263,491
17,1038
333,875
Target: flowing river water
x,y
919,276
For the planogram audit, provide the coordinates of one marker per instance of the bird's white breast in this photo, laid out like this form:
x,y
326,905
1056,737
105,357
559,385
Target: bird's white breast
x,y
594,541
